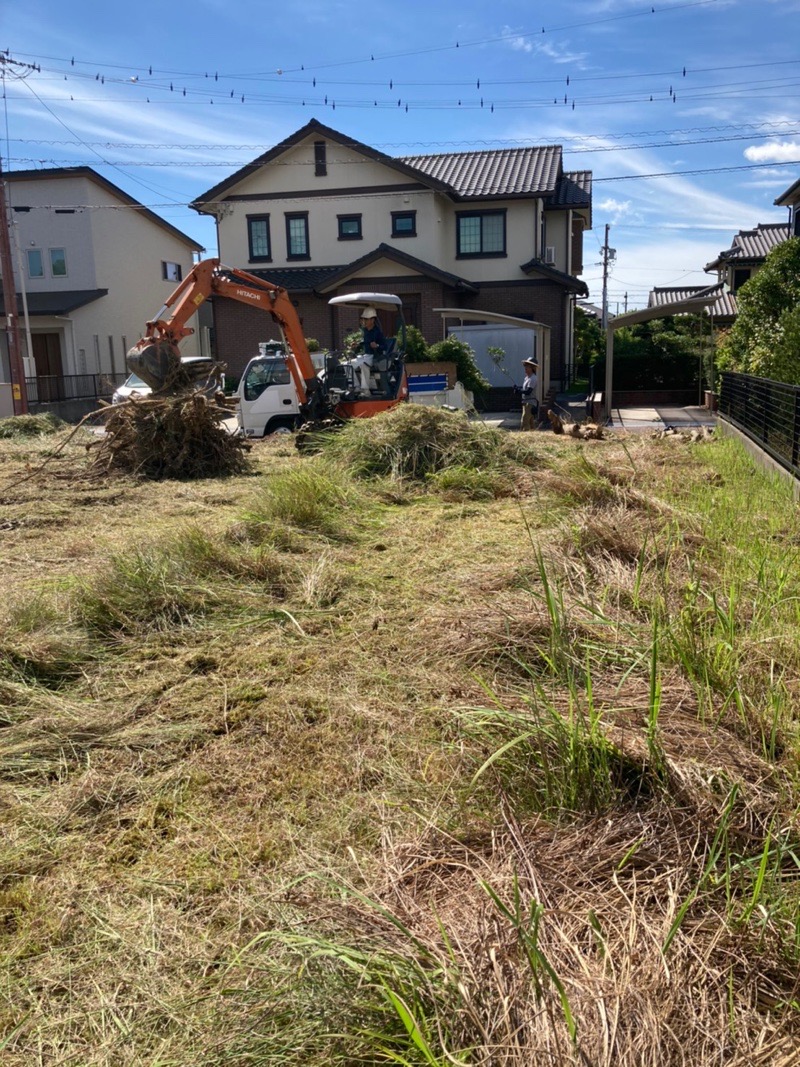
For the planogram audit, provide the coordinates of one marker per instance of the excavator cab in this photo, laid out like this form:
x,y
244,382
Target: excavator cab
x,y
372,376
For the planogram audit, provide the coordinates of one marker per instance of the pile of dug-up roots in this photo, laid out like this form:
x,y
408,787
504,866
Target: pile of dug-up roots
x,y
169,437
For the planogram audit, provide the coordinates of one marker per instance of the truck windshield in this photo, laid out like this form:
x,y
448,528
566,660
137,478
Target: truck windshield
x,y
262,373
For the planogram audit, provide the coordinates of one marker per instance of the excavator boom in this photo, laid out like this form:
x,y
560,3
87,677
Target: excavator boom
x,y
155,357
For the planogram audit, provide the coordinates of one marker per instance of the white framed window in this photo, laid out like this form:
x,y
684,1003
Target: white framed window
x,y
297,235
171,272
58,263
35,263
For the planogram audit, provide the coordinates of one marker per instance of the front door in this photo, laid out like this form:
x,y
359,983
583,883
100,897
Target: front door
x,y
49,373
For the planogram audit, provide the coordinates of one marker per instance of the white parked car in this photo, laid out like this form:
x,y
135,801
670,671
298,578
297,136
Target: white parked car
x,y
134,386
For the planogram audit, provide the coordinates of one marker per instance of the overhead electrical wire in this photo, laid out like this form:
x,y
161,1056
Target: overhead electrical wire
x,y
645,10
772,129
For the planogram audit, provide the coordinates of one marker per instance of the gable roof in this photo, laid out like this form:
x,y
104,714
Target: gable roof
x,y
503,173
384,251
52,173
313,127
752,246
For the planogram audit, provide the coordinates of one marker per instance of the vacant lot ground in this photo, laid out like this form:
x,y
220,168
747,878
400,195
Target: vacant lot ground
x,y
482,753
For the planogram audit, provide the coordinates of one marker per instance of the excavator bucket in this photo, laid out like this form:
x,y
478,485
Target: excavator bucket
x,y
157,363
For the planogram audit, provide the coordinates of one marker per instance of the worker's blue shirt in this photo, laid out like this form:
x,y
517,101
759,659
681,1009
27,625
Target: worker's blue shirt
x,y
376,335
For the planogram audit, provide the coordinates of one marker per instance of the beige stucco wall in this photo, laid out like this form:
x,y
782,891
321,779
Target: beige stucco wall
x,y
293,174
108,245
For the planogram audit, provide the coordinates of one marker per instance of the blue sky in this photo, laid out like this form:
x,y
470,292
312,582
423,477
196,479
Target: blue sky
x,y
150,94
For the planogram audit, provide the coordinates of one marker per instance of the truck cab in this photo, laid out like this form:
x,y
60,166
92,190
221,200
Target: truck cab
x,y
266,394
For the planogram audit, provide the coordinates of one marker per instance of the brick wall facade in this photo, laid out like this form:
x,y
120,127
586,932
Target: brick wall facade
x,y
239,328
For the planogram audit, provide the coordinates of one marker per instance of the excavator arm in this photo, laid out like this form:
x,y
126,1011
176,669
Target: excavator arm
x,y
156,358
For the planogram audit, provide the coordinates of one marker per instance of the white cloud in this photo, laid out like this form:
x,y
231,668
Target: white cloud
x,y
773,152
615,209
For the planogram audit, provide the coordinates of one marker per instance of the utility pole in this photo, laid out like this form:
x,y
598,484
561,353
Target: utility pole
x,y
18,389
604,321
9,65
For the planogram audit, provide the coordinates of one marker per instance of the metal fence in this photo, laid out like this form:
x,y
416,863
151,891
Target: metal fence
x,y
768,412
49,389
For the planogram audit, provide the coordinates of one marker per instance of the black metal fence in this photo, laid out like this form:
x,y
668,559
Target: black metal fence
x,y
768,412
50,389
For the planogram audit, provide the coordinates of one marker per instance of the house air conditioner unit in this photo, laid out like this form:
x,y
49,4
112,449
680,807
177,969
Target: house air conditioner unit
x,y
550,254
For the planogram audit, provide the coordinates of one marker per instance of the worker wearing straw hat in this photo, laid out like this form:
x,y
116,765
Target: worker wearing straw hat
x,y
530,404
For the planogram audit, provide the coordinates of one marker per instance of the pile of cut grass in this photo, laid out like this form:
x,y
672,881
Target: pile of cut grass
x,y
413,441
30,426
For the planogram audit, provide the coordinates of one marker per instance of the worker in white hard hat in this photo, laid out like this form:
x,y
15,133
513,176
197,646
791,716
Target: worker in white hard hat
x,y
374,345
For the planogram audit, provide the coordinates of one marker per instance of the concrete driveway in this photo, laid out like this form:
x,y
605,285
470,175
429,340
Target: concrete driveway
x,y
633,420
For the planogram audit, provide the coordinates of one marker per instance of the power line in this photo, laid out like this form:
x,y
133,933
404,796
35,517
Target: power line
x,y
771,129
216,76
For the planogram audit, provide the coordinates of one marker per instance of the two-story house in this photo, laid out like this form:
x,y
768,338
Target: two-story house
x,y
92,266
747,254
733,267
323,215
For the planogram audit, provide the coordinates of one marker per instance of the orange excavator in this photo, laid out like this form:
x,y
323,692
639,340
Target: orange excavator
x,y
332,394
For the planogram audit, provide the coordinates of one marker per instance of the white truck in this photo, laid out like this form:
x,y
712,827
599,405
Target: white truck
x,y
266,394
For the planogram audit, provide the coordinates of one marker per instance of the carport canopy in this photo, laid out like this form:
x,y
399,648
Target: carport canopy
x,y
695,305
541,329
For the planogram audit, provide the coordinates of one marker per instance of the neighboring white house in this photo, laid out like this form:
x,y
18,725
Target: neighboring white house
x,y
93,266
322,215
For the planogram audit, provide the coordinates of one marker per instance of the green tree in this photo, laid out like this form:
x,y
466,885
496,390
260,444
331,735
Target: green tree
x,y
765,339
452,350
668,353
590,342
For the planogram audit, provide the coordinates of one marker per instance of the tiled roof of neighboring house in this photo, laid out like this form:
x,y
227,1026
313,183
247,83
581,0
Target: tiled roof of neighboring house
x,y
56,303
298,279
384,251
790,197
752,246
87,172
724,306
569,281
504,172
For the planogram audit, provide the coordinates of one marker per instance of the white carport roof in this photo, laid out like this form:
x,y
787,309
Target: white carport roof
x,y
693,306
490,316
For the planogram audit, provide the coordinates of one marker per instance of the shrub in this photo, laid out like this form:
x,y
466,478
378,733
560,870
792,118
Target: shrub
x,y
453,350
416,345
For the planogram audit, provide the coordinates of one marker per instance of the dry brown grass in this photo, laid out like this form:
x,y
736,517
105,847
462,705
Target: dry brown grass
x,y
274,768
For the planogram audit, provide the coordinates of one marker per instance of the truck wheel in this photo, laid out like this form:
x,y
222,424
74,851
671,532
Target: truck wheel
x,y
283,424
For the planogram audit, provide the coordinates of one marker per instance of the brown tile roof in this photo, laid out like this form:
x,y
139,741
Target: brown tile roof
x,y
574,189
753,245
504,172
